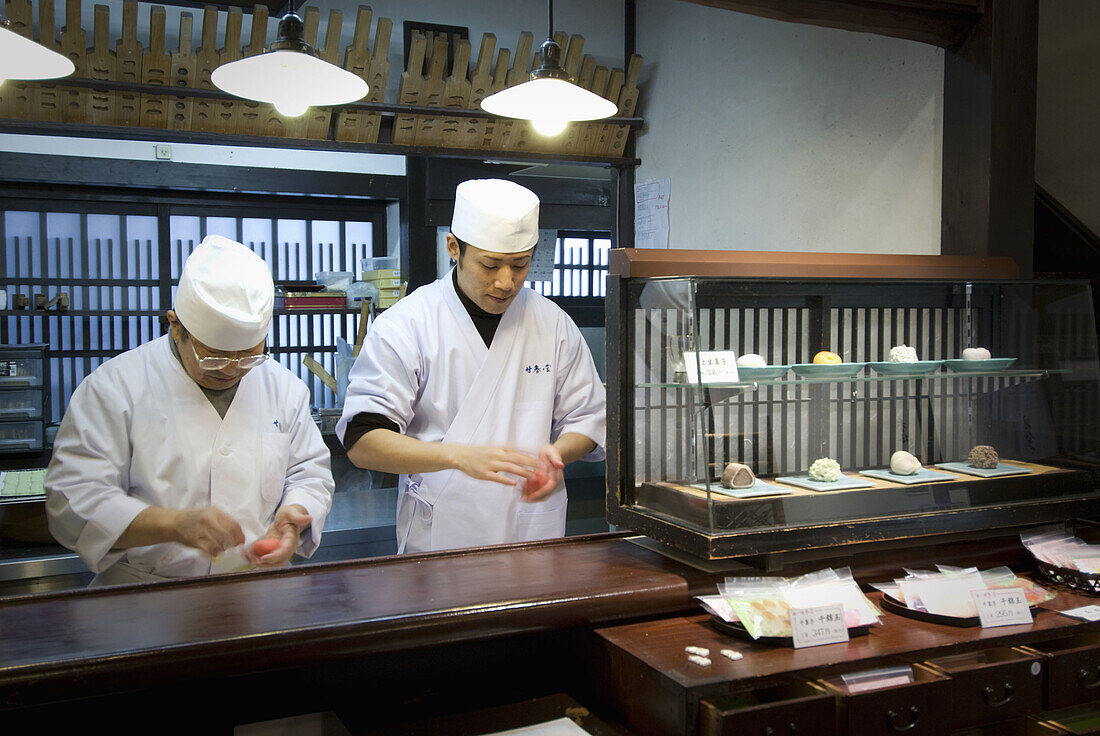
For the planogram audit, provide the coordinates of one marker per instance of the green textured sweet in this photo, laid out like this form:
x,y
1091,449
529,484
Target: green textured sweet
x,y
825,470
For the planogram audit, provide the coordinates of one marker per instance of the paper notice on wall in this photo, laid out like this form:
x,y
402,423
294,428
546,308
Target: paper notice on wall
x,y
542,260
651,213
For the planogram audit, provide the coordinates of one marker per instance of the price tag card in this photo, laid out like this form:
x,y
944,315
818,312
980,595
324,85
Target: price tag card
x,y
811,627
1001,607
1088,613
716,366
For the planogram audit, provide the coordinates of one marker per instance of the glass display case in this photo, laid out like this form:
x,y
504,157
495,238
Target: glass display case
x,y
680,409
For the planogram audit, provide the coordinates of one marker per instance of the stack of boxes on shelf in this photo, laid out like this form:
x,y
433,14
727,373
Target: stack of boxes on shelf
x,y
385,273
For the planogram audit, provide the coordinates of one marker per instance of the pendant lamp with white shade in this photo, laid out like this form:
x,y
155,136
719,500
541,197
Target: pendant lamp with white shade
x,y
289,75
551,99
22,58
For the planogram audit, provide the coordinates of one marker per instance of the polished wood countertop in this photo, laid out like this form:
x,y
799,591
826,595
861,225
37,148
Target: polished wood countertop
x,y
106,640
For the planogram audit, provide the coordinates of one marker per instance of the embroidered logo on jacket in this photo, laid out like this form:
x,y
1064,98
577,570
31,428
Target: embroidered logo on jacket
x,y
537,368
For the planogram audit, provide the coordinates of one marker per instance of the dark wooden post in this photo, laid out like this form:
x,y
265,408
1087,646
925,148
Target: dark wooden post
x,y
989,85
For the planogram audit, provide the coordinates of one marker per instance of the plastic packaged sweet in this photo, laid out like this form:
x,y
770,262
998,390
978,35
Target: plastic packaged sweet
x,y
763,605
764,616
947,592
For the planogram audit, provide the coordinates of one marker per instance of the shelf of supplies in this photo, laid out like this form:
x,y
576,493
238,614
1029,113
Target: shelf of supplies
x,y
319,310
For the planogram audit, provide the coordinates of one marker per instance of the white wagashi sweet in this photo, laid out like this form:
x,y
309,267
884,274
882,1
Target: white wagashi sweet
x,y
903,354
976,354
751,360
737,475
825,470
904,463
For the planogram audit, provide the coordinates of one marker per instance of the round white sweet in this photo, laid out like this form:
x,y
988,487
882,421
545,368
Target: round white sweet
x,y
903,463
903,354
825,470
751,360
976,354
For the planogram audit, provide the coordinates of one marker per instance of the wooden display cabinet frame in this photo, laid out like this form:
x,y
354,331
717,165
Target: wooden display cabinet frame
x,y
663,519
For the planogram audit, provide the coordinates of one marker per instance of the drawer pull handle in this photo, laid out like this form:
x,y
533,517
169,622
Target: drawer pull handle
x,y
792,727
997,703
1083,678
914,717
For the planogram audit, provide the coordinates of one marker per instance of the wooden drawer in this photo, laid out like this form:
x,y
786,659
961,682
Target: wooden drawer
x,y
1073,669
917,709
799,709
992,685
1080,719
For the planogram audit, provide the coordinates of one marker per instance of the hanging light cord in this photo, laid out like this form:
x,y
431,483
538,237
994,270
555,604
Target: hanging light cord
x,y
550,20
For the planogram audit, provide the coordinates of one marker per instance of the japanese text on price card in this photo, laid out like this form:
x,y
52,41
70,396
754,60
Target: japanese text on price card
x,y
811,627
711,366
1001,607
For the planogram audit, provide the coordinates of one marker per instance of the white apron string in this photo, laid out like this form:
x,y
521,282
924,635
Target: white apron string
x,y
420,505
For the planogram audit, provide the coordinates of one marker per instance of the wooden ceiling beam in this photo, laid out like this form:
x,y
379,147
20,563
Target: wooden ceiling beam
x,y
942,23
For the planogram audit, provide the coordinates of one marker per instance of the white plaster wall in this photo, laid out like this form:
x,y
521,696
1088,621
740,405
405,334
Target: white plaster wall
x,y
1067,117
779,136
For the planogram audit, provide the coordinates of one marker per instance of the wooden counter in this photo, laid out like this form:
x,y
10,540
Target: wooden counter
x,y
70,645
388,641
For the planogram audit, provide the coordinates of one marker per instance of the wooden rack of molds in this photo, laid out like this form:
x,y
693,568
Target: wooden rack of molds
x,y
128,84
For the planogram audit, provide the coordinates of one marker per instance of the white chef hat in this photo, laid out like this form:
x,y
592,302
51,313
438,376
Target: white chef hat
x,y
496,215
225,295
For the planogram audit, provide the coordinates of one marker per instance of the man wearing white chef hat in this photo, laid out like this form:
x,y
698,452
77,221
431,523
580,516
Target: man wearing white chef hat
x,y
476,390
175,457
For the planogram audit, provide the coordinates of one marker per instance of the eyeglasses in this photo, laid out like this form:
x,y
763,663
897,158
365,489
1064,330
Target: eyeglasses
x,y
217,363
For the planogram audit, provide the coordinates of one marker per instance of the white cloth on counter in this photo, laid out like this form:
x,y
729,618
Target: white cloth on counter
x,y
139,432
424,366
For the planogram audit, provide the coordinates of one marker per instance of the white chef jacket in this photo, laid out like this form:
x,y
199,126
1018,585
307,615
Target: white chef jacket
x,y
424,366
139,432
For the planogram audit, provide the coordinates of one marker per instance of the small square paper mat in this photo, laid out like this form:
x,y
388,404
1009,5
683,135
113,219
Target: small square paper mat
x,y
845,482
924,475
1001,469
759,488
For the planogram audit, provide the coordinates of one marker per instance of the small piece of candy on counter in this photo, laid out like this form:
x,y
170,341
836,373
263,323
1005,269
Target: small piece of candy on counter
x,y
701,661
701,651
732,654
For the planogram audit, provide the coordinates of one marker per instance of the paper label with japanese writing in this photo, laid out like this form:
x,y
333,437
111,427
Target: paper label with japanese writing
x,y
542,260
714,366
651,213
811,627
1001,607
1088,613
